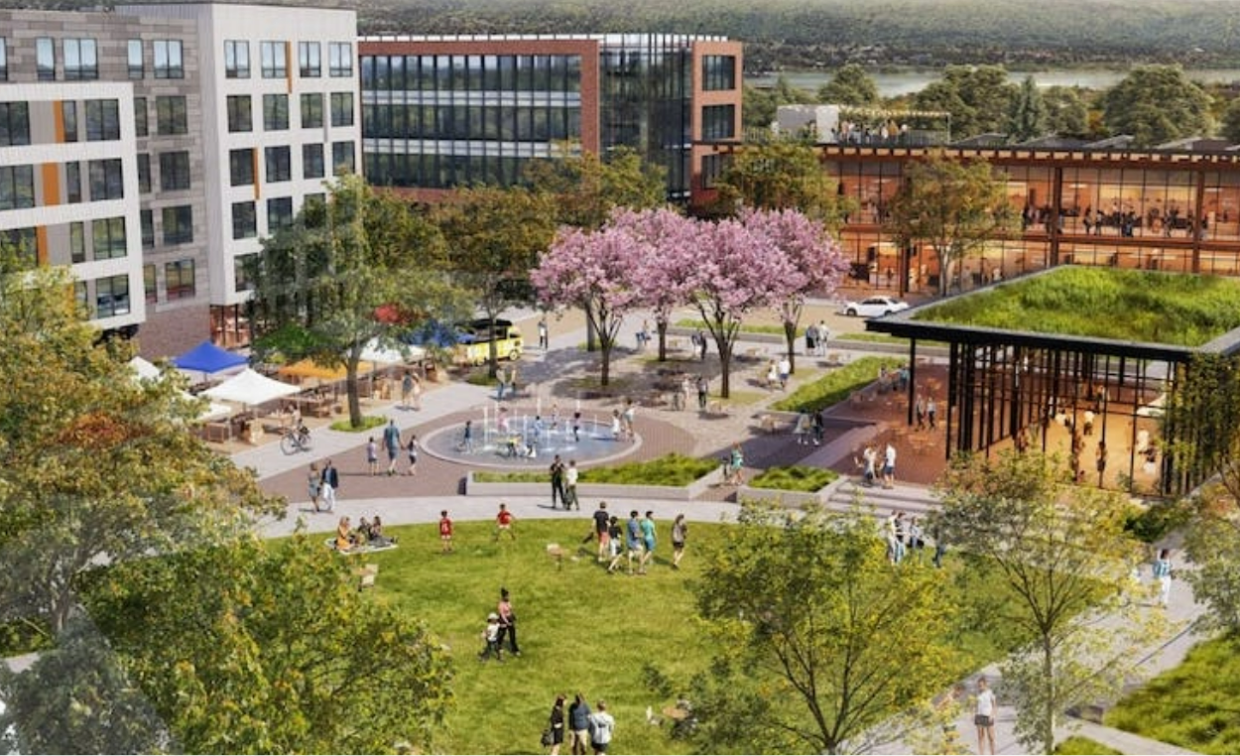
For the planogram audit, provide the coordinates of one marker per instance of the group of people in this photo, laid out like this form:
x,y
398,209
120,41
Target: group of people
x,y
810,427
870,468
367,533
905,535
777,373
587,731
501,625
816,337
635,540
322,486
392,444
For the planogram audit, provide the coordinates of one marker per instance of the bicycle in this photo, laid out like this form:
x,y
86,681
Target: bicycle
x,y
295,440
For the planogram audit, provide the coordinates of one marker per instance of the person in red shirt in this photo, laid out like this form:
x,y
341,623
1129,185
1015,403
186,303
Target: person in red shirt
x,y
503,522
445,531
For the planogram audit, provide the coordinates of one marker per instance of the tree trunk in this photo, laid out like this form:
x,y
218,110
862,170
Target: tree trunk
x,y
605,346
661,327
591,331
725,365
790,333
1048,672
355,403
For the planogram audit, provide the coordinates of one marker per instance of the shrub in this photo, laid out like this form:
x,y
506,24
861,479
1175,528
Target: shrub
x,y
1150,523
795,478
745,328
837,385
1082,746
669,470
368,422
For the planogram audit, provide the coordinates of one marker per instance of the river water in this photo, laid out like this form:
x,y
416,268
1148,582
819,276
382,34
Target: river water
x,y
908,82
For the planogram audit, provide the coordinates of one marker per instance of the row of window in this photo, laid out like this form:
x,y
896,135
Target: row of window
x,y
275,111
442,171
178,281
273,58
107,236
536,123
80,58
718,73
168,57
472,73
278,163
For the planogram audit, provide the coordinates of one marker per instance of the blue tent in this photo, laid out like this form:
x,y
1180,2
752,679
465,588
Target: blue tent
x,y
208,358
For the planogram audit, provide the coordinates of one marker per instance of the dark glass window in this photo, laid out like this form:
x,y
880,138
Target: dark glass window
x,y
103,120
4,60
14,124
342,157
108,238
244,220
309,60
340,59
73,183
77,242
279,213
141,126
312,110
16,186
174,171
112,296
171,117
236,59
148,228
240,115
178,225
719,122
279,167
275,112
179,278
68,116
312,161
241,167
144,173
342,108
106,179
149,285
718,73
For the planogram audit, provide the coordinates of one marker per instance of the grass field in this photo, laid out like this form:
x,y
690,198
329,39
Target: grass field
x,y
1190,706
580,628
1082,746
837,385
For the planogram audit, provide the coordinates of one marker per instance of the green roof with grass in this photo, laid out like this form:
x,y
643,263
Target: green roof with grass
x,y
1125,305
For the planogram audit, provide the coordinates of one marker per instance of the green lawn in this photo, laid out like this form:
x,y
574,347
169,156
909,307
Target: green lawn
x,y
1129,305
1082,746
582,629
668,470
837,385
1191,706
745,327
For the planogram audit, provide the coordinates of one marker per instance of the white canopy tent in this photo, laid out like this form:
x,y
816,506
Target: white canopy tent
x,y
249,387
373,352
146,371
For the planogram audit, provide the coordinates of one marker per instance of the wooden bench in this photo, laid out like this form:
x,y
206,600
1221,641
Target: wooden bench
x,y
366,576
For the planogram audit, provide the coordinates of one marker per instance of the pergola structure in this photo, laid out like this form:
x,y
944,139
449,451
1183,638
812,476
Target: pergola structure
x,y
1025,389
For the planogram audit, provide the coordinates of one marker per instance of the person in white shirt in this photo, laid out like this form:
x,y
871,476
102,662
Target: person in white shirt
x,y
570,486
602,727
984,716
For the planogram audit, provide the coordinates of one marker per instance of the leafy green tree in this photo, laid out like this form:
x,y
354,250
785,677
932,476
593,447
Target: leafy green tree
x,y
1060,555
256,647
978,97
320,285
1157,104
813,627
494,238
587,187
1231,121
850,85
1067,113
1029,115
759,105
98,466
955,206
781,175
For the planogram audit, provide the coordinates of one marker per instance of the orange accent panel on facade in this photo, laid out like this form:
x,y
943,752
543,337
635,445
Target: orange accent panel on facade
x,y
288,66
58,121
51,183
40,236
254,173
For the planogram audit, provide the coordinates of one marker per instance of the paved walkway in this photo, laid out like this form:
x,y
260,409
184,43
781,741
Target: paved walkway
x,y
403,500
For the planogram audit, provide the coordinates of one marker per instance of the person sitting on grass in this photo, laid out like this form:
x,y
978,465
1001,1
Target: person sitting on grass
x,y
344,535
376,537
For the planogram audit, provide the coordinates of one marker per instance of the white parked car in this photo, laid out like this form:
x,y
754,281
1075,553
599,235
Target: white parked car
x,y
873,307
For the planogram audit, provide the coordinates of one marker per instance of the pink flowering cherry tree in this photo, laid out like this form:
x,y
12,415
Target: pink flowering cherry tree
x,y
817,263
595,271
662,276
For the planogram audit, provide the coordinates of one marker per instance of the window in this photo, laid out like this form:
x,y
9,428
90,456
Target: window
x,y
278,165
719,122
140,126
236,59
14,124
279,213
718,72
137,68
241,167
312,161
77,242
342,157
274,64
174,171
108,238
144,173
240,117
4,60
170,116
244,220
45,58
169,59
16,186
309,62
340,58
25,242
275,112
73,183
179,279
342,108
81,59
68,116
178,225
312,111
241,271
112,296
106,181
149,284
148,228
103,120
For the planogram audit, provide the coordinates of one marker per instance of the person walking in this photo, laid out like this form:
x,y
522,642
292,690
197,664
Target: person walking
x,y
701,344
507,622
680,529
570,481
984,716
602,728
406,390
919,410
314,485
1162,573
648,542
703,391
467,438
445,532
416,391
633,540
543,339
601,520
579,724
932,411
889,466
557,482
411,449
372,457
555,725
391,442
329,484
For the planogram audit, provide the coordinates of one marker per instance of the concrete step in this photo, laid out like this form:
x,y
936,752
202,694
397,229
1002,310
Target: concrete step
x,y
915,500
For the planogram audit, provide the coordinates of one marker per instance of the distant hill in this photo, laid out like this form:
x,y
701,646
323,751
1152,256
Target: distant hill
x,y
821,33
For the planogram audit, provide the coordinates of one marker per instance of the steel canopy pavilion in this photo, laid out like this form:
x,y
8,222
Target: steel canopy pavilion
x,y
1002,383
